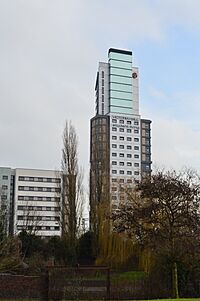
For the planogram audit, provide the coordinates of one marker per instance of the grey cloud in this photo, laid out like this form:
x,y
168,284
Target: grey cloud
x,y
48,58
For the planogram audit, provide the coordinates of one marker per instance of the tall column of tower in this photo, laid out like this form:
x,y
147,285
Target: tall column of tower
x,y
120,139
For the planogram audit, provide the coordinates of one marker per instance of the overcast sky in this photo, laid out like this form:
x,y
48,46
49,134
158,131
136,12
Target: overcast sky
x,y
49,54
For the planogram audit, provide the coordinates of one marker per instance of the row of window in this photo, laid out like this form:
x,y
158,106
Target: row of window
x,y
42,189
121,146
37,218
121,121
102,96
39,179
123,163
121,138
38,198
45,228
37,208
4,187
114,198
122,155
136,131
122,172
115,180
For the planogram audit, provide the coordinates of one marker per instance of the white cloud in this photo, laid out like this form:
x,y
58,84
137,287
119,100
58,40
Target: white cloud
x,y
175,145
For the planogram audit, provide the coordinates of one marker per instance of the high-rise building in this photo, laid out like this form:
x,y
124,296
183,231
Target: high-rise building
x,y
120,141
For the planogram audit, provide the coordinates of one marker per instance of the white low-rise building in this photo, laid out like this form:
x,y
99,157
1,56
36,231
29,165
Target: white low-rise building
x,y
33,200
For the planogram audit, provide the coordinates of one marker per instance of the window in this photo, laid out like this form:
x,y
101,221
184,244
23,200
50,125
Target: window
x,y
129,139
114,137
114,197
136,147
121,146
136,139
102,98
136,131
102,74
102,82
114,120
121,138
121,181
128,122
114,171
114,180
129,156
136,164
121,121
136,173
114,154
129,147
5,177
121,155
114,129
4,187
114,162
129,130
129,164
121,172
121,130
102,90
20,207
129,181
136,123
114,188
129,172
136,156
114,145
121,163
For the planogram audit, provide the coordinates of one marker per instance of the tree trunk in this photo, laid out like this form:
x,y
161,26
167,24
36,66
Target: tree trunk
x,y
175,293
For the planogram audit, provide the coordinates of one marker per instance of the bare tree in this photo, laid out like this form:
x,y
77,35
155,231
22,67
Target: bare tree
x,y
31,219
71,189
4,214
163,215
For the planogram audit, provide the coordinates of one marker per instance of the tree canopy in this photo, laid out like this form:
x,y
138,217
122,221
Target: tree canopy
x,y
162,214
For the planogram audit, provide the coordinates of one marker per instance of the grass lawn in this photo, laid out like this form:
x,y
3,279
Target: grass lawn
x,y
181,299
132,275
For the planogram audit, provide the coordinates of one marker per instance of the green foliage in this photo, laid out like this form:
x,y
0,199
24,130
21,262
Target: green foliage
x,y
85,249
31,244
9,254
56,248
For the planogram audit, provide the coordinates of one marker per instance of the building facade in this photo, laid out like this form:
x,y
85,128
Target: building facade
x,y
30,199
120,141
